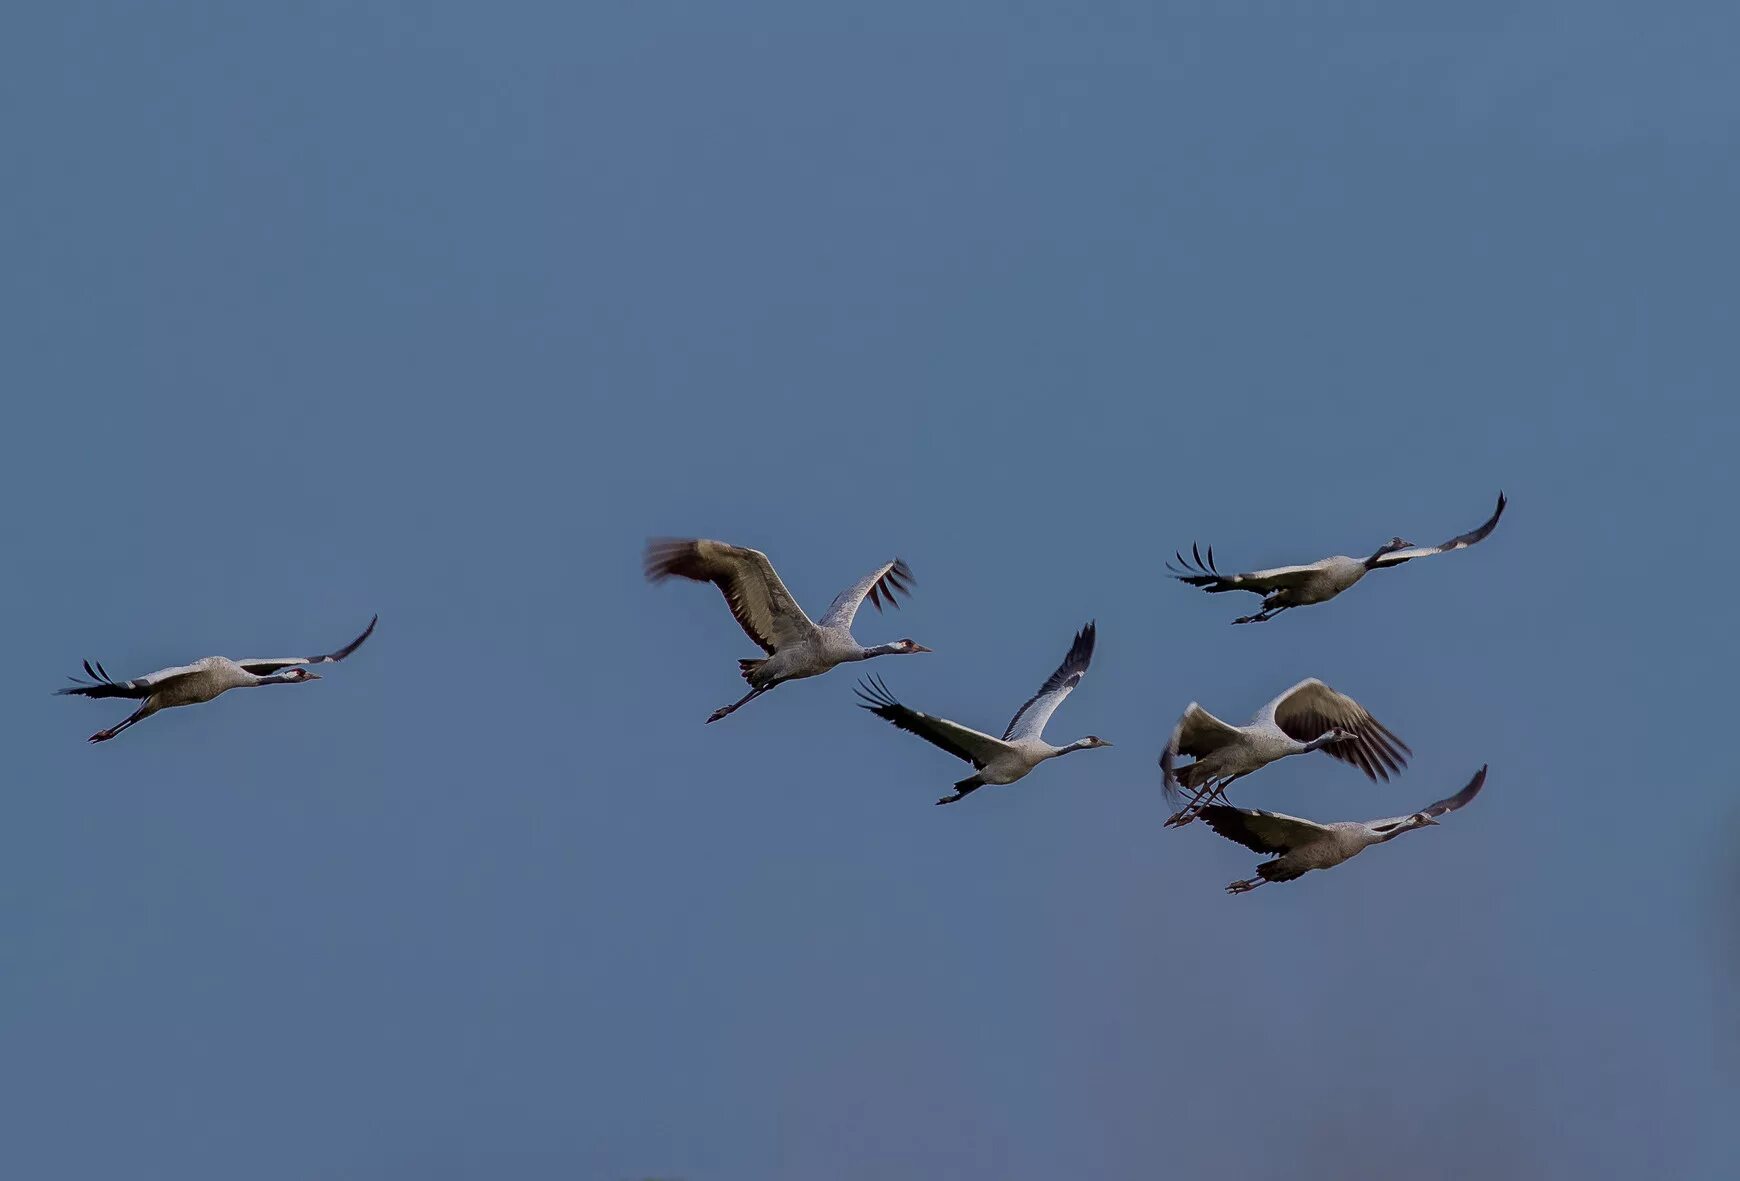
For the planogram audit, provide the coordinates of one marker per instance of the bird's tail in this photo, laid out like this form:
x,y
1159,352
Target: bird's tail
x,y
749,668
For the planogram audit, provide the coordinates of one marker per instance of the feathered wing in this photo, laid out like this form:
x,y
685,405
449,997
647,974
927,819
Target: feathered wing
x,y
1311,709
263,665
1261,832
102,685
1461,799
1202,572
961,741
1198,733
1029,721
879,585
1460,541
759,602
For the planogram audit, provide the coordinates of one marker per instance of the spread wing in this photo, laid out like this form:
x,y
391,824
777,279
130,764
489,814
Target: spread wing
x,y
1461,799
960,741
262,666
1198,733
758,600
1311,709
1460,541
1202,572
1029,721
102,685
880,584
1261,832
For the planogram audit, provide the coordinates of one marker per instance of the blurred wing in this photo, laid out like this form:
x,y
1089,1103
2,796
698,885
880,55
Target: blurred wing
x,y
1200,571
1261,832
1461,799
881,584
1200,733
960,741
102,685
1029,721
260,667
1311,709
1460,541
759,602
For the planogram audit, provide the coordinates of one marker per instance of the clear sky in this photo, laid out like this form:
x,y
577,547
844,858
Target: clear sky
x,y
440,310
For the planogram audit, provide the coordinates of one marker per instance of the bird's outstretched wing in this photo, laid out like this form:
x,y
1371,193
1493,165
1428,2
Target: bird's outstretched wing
x,y
880,585
1198,570
1460,541
1261,832
961,741
1311,709
261,666
759,602
1461,799
103,685
1029,721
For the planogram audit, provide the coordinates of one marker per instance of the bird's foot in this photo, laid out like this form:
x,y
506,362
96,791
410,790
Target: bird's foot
x,y
953,798
101,736
1244,887
1179,818
721,712
1258,618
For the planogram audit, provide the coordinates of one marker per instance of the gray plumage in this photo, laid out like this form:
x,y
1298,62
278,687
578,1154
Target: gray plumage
x,y
1309,716
996,761
193,684
1305,845
1285,587
796,646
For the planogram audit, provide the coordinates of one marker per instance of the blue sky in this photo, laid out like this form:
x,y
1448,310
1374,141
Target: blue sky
x,y
439,311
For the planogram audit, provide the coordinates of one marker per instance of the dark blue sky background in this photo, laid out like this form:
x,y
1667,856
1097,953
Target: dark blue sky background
x,y
440,310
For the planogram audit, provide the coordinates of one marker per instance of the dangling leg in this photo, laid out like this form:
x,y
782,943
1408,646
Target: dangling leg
x,y
1263,616
727,710
1246,886
139,715
963,789
1188,813
1214,789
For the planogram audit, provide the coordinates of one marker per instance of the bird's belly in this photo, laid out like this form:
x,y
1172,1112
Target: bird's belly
x,y
1007,769
1321,855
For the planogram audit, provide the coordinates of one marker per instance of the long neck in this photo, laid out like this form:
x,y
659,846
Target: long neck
x,y
1078,744
270,679
1371,562
1318,743
878,650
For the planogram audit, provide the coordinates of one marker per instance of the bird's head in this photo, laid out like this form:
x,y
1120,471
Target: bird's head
x,y
296,676
1090,742
1386,829
1388,547
907,647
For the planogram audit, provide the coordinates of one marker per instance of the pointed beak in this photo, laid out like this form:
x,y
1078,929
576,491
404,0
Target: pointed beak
x,y
1429,820
1103,742
313,676
920,648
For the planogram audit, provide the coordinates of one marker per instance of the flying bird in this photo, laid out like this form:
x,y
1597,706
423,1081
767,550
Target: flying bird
x,y
1305,845
1319,581
192,684
1309,716
796,647
1023,747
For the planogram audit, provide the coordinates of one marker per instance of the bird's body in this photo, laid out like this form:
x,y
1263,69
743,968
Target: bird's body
x,y
996,761
201,681
1309,716
1305,845
796,646
1285,587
